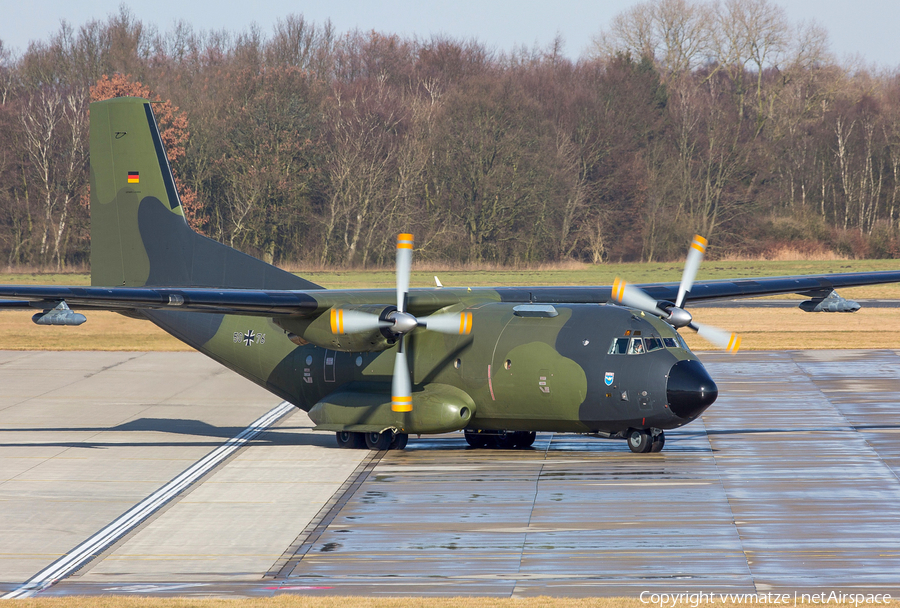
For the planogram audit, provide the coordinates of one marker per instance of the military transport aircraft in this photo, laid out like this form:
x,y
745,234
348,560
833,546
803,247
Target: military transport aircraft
x,y
374,365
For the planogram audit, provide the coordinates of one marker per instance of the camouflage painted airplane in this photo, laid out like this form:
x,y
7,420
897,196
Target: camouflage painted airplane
x,y
374,365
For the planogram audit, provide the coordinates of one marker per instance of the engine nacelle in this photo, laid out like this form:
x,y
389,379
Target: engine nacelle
x,y
438,408
830,303
60,315
318,331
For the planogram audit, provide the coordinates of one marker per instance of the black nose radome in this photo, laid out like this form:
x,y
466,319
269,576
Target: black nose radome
x,y
690,390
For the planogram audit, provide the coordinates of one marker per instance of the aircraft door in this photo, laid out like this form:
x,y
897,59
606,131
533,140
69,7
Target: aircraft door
x,y
530,379
330,357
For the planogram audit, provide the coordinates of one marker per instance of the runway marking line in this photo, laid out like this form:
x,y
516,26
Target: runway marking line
x,y
125,523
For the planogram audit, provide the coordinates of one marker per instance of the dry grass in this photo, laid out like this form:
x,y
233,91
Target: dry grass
x,y
102,331
295,601
788,253
83,268
793,329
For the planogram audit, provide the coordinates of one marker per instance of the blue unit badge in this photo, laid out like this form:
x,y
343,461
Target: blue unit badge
x,y
610,376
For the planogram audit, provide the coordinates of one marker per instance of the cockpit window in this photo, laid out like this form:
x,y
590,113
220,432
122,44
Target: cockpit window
x,y
652,344
639,346
619,346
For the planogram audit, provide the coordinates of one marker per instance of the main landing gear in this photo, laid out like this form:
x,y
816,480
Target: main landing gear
x,y
387,440
644,441
500,439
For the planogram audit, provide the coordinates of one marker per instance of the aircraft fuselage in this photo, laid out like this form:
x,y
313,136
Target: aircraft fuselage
x,y
587,368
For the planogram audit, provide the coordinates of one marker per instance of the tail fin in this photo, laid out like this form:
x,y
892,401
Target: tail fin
x,y
139,235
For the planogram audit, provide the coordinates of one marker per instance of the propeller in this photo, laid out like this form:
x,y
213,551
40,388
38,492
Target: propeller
x,y
691,266
675,314
400,322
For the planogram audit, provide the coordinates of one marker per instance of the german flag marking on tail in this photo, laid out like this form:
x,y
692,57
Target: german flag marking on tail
x,y
134,177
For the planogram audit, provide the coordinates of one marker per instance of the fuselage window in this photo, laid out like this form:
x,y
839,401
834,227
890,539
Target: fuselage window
x,y
670,342
619,346
637,346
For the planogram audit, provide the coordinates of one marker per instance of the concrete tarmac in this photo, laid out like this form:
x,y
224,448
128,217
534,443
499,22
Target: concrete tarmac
x,y
790,482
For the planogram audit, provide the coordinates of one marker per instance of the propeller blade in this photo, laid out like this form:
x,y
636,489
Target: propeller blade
x,y
634,297
691,266
354,321
404,263
449,323
730,341
401,385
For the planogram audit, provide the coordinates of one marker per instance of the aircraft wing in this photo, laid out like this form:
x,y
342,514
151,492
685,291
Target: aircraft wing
x,y
223,301
311,303
239,301
812,285
727,289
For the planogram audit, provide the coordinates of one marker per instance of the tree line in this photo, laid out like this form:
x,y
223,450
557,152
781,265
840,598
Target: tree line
x,y
309,146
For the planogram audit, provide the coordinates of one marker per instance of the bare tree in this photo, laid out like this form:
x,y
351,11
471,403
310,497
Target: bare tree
x,y
72,162
8,75
676,34
40,119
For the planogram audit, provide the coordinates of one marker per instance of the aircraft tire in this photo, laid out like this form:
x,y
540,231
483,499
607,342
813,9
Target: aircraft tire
x,y
350,440
640,442
505,440
400,441
476,440
658,442
379,441
525,439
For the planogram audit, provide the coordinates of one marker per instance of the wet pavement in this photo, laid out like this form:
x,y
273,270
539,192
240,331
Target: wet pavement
x,y
788,483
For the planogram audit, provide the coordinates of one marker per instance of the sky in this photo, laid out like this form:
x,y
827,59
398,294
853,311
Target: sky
x,y
862,29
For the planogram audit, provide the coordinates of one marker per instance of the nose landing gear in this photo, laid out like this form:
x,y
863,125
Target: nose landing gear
x,y
644,441
659,440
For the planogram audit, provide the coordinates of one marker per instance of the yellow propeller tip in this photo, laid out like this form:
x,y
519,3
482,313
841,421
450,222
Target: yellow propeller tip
x,y
618,289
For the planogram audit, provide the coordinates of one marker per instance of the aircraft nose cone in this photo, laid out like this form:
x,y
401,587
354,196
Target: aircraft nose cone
x,y
690,390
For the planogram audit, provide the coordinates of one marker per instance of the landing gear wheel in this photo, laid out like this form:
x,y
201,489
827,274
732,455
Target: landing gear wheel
x,y
658,442
400,441
525,439
505,440
640,442
353,441
379,441
476,439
